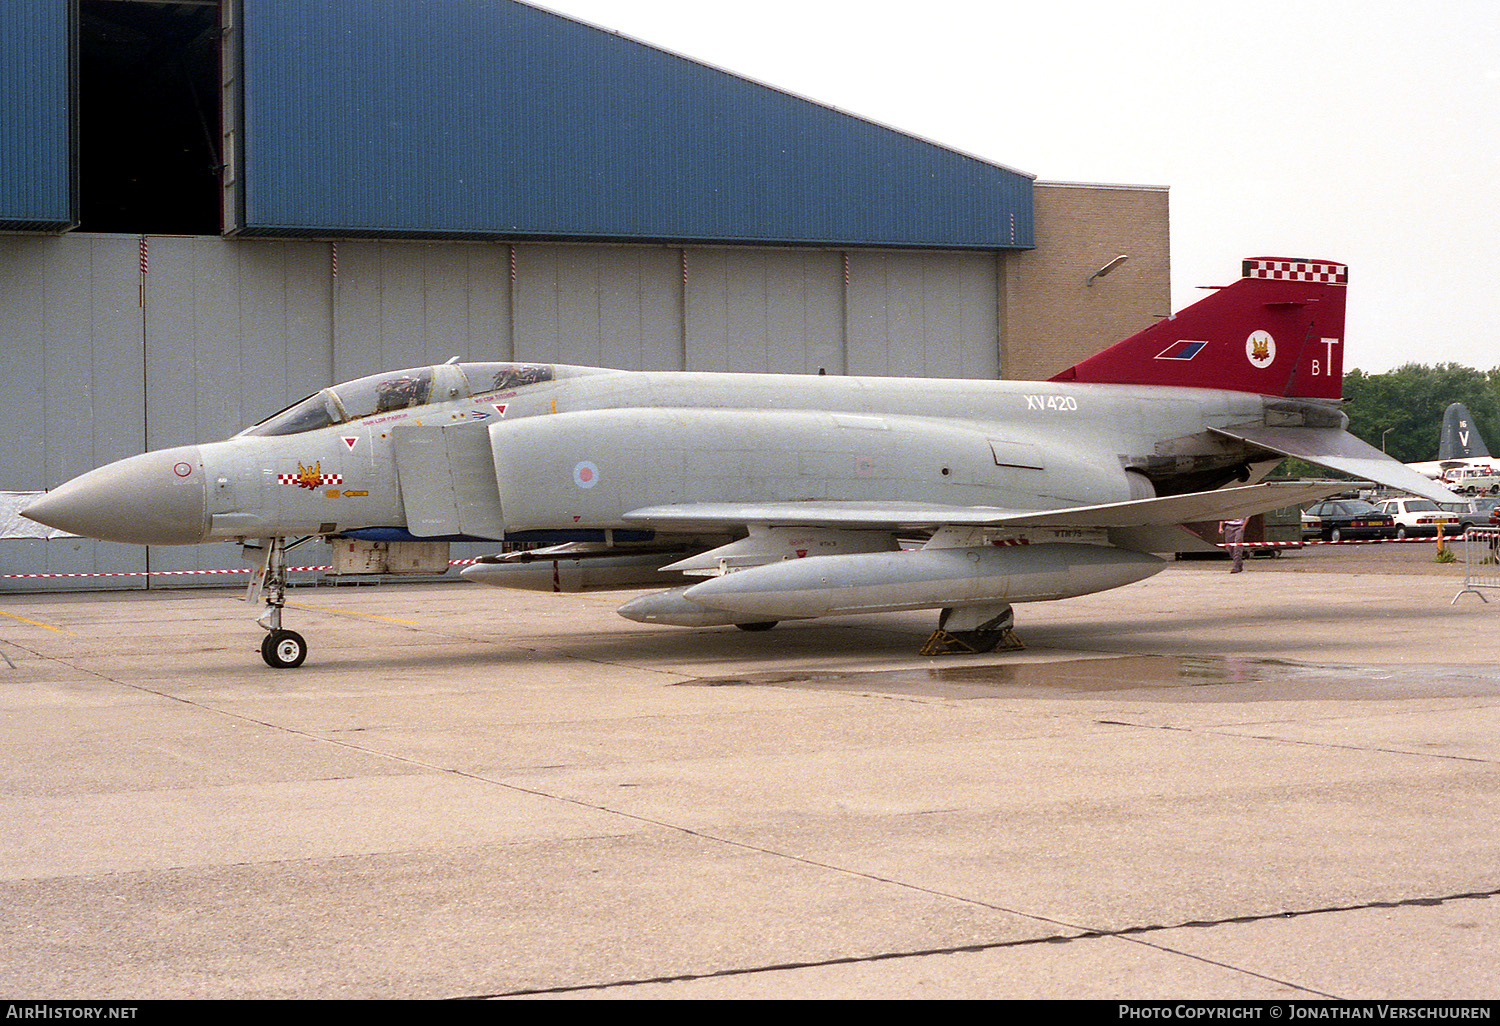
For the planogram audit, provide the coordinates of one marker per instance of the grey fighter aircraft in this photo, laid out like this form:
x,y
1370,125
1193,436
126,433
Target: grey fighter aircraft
x,y
776,497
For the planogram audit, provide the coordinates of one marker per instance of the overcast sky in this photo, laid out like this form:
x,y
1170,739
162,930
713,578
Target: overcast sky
x,y
1364,131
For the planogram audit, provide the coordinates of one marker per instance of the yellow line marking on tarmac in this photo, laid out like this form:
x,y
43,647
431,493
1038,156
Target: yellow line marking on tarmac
x,y
350,612
35,623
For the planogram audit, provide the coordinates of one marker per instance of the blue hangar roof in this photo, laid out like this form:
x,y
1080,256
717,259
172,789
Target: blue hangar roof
x,y
493,119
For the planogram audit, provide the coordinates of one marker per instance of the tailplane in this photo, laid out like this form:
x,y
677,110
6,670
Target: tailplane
x,y
1278,331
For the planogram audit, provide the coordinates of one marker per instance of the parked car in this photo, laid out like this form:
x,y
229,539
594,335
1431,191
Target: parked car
x,y
1474,513
1419,518
1352,518
1312,527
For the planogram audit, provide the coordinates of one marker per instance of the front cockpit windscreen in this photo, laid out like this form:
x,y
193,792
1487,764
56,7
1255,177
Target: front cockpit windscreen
x,y
316,411
393,391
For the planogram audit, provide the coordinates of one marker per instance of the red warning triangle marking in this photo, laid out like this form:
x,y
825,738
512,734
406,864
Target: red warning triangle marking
x,y
350,442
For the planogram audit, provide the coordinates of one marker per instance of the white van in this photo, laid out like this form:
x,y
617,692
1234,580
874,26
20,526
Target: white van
x,y
1472,480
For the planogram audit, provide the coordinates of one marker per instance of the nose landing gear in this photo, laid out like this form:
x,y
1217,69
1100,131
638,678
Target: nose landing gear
x,y
281,649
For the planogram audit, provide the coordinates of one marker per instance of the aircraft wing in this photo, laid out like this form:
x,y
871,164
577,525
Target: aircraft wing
x,y
1338,450
1222,504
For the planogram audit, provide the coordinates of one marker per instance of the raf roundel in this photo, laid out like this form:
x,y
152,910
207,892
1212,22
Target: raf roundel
x,y
585,475
1260,349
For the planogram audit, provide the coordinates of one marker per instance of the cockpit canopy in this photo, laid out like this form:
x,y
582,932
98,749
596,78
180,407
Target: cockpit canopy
x,y
399,390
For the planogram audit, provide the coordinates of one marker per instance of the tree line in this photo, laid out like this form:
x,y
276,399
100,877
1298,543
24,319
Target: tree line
x,y
1401,411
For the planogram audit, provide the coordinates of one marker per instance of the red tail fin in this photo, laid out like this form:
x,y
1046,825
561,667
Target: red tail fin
x,y
1279,330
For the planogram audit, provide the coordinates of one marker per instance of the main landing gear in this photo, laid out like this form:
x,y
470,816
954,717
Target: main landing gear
x,y
972,630
281,649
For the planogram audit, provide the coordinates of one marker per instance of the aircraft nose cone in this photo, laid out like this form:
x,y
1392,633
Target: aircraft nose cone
x,y
158,498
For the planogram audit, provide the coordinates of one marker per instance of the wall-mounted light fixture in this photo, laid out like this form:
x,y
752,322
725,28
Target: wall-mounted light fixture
x,y
1116,262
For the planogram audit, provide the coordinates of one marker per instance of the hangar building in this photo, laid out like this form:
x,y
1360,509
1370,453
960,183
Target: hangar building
x,y
210,209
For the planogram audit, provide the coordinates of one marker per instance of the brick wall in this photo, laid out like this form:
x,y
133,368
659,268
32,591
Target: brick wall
x,y
1052,317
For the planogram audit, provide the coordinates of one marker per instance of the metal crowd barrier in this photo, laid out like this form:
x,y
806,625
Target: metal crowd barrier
x,y
1481,545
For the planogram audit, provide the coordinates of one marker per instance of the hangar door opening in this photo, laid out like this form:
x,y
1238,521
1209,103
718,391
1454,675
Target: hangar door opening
x,y
148,116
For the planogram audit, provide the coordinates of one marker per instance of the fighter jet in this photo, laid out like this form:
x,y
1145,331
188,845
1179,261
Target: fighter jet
x,y
768,497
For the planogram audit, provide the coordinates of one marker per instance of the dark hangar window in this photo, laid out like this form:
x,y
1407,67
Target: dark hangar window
x,y
148,116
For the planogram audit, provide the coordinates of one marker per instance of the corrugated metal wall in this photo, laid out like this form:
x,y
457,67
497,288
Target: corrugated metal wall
x,y
407,305
924,315
497,119
599,306
37,96
107,361
748,310
74,369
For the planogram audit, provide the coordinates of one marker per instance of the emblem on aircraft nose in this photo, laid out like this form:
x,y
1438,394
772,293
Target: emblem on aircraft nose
x,y
310,477
585,475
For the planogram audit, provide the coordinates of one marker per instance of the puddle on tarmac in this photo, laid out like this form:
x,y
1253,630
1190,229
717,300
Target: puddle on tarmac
x,y
1167,678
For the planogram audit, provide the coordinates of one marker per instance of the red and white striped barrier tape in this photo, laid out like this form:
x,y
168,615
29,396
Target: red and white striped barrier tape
x,y
1342,541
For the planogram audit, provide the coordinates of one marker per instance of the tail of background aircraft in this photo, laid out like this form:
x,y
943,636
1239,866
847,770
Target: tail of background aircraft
x,y
1279,331
1461,439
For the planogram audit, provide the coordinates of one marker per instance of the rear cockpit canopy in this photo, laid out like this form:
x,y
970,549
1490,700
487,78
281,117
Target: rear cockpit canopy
x,y
399,390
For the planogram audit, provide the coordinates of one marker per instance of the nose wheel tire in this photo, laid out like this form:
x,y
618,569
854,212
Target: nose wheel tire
x,y
283,650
